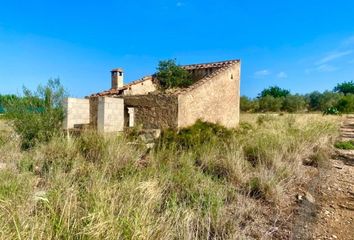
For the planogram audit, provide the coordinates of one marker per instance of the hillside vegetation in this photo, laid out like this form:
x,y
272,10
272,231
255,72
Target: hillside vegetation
x,y
205,182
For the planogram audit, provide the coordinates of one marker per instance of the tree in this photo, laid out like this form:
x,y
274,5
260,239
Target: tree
x,y
275,92
346,104
313,100
321,101
269,103
345,87
248,104
171,75
6,99
37,116
294,103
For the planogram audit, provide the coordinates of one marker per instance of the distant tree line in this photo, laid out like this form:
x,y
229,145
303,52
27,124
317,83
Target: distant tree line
x,y
276,99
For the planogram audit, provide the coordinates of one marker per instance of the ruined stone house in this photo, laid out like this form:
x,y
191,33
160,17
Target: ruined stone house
x,y
214,97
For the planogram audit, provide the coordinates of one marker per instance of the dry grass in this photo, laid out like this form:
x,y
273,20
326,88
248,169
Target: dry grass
x,y
95,187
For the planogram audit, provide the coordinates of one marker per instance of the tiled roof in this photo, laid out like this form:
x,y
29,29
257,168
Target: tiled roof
x,y
119,91
117,70
221,65
209,65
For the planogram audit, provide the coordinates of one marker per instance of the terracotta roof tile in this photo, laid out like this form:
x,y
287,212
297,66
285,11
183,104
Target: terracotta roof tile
x,y
221,65
209,65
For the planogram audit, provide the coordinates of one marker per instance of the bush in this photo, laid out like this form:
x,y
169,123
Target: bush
x,y
270,104
331,111
37,116
170,75
248,104
294,103
346,145
196,135
346,104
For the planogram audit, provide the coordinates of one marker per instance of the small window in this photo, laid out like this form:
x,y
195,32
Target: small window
x,y
232,76
120,73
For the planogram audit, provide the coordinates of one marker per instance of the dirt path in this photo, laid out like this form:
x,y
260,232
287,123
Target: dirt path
x,y
335,218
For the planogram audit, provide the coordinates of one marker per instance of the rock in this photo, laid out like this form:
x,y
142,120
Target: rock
x,y
309,197
334,236
299,197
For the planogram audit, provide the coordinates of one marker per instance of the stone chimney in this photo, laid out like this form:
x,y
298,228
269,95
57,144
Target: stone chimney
x,y
117,78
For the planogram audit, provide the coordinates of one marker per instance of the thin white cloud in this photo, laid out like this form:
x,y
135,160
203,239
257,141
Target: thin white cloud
x,y
326,68
262,73
322,68
333,56
282,75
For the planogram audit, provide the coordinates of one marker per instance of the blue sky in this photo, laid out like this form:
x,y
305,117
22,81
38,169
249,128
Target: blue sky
x,y
299,45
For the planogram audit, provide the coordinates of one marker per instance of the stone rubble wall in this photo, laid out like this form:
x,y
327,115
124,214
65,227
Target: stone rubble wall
x,y
77,111
216,100
154,111
93,111
110,114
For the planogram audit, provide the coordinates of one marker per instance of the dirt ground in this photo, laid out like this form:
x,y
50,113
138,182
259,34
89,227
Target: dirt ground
x,y
335,207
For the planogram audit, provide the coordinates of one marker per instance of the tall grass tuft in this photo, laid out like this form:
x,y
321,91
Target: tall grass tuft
x,y
204,182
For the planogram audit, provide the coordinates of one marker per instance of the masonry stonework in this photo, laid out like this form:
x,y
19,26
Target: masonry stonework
x,y
216,100
141,88
93,111
77,112
214,97
110,114
154,110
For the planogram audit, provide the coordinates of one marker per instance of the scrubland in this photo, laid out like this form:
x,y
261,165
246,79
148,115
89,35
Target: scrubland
x,y
205,182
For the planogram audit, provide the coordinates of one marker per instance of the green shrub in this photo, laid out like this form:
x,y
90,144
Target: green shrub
x,y
170,75
331,111
346,104
196,135
38,116
248,104
269,103
347,145
294,103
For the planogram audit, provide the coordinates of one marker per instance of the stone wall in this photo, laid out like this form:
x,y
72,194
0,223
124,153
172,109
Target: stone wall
x,y
93,111
198,74
215,100
77,111
141,88
110,114
154,111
